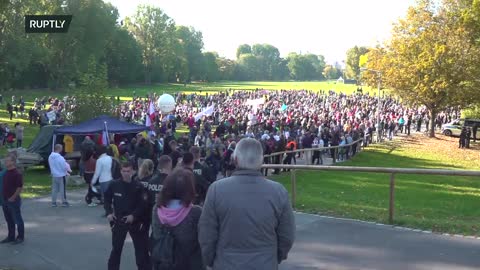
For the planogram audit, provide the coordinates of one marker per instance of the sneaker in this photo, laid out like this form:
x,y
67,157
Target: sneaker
x,y
92,204
54,204
65,204
6,240
17,241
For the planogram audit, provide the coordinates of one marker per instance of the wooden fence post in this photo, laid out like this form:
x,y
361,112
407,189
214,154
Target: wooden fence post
x,y
335,155
293,180
391,207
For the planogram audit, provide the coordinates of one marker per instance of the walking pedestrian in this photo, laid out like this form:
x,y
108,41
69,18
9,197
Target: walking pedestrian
x,y
10,110
90,163
103,169
19,134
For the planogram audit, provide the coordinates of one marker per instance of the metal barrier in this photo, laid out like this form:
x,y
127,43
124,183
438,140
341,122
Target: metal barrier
x,y
391,171
358,143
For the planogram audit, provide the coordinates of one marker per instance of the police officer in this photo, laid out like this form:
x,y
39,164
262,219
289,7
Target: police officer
x,y
125,205
468,136
153,185
203,176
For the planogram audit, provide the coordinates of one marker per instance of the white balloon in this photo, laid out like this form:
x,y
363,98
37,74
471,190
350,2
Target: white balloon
x,y
166,103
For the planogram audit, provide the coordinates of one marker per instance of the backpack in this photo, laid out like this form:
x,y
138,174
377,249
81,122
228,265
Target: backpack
x,y
115,170
162,249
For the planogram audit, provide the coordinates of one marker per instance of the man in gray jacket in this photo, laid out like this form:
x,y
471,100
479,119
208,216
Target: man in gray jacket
x,y
247,221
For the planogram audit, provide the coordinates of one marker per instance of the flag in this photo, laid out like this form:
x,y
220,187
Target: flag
x,y
207,112
104,138
151,115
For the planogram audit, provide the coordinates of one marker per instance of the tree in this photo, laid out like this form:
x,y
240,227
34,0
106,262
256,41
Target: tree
x,y
65,57
226,68
211,66
318,62
92,102
331,72
191,42
17,49
123,58
154,31
243,49
353,62
306,66
301,68
431,59
268,58
248,67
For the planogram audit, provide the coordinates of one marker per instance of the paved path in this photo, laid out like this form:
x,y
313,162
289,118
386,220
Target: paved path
x,y
78,238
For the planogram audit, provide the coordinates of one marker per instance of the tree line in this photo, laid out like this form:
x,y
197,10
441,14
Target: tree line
x,y
148,47
432,58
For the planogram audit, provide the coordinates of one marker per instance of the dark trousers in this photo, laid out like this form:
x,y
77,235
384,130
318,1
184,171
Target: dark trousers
x,y
19,143
354,149
139,234
90,194
13,216
266,160
317,156
276,160
288,160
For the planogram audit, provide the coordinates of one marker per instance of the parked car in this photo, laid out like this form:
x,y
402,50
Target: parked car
x,y
454,128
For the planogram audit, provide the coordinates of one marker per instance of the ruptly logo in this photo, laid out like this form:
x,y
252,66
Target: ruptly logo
x,y
47,23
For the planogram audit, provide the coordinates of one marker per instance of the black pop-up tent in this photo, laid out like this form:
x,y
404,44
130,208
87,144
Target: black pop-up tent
x,y
42,144
101,125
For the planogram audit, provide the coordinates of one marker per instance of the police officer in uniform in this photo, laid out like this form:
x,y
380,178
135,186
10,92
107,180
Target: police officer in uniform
x,y
154,185
125,205
203,176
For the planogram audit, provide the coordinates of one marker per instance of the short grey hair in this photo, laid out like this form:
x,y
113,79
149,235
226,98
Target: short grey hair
x,y
58,147
248,154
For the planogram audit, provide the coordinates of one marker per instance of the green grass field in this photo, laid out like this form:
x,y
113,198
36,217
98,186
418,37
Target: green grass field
x,y
127,91
438,203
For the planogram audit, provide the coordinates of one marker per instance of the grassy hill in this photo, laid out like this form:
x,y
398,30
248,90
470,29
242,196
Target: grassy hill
x,y
437,203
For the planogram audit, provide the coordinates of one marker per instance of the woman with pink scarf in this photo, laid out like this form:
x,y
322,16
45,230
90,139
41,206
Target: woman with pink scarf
x,y
175,209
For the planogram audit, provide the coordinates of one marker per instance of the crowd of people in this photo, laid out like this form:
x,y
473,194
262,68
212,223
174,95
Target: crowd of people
x,y
161,186
190,216
298,119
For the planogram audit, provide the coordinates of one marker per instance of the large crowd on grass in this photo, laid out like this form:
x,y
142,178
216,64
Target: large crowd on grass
x,y
164,181
281,119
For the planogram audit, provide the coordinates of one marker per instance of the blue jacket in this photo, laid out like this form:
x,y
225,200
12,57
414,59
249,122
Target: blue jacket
x,y
2,173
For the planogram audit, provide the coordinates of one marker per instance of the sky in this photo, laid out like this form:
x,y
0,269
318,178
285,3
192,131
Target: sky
x,y
323,27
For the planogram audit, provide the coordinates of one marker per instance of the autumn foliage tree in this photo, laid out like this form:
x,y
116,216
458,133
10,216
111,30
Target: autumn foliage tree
x,y
431,58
